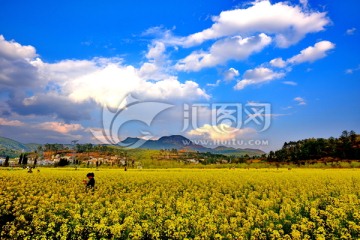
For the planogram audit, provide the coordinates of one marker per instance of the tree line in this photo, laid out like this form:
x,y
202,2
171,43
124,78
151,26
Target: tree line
x,y
346,147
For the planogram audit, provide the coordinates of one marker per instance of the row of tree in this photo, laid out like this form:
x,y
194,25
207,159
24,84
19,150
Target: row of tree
x,y
23,159
79,148
347,146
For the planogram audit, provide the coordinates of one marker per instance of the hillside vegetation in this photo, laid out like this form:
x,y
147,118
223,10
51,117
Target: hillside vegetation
x,y
346,147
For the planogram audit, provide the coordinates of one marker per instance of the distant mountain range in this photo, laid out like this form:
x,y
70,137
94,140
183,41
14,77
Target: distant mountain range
x,y
182,143
12,148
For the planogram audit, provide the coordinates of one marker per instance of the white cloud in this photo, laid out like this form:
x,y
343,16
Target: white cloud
x,y
352,70
349,71
110,84
230,74
151,71
257,76
171,88
300,101
14,50
221,132
67,70
156,50
304,3
290,83
60,127
105,81
235,48
309,54
288,23
235,33
15,67
156,67
106,86
216,84
278,62
13,123
351,31
312,53
263,74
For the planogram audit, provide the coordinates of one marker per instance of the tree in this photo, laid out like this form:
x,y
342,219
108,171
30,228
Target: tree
x,y
20,159
344,134
63,162
271,156
344,147
6,164
352,137
25,160
35,161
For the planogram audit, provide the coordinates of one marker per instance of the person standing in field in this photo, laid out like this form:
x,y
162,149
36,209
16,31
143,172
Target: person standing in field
x,y
91,183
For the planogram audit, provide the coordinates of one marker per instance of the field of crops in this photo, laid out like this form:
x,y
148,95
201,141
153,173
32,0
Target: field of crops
x,y
181,203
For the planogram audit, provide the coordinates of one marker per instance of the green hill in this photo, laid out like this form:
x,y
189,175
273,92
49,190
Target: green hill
x,y
32,146
238,152
11,148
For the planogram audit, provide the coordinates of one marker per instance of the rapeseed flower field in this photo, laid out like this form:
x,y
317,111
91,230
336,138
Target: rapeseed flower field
x,y
181,204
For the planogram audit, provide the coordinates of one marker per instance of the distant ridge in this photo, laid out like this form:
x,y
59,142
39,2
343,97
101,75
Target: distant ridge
x,y
12,148
180,142
12,144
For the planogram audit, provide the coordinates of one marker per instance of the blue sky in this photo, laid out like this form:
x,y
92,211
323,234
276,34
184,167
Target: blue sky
x,y
62,62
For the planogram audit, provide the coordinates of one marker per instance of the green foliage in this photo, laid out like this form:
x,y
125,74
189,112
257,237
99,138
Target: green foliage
x,y
347,146
54,147
80,148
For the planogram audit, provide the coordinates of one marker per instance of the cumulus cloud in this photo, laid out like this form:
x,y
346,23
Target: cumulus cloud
x,y
7,122
156,50
171,88
45,130
304,3
312,53
60,127
264,74
109,85
289,24
66,70
309,54
151,71
217,132
257,76
234,48
156,66
230,74
278,62
65,89
51,104
300,101
13,50
241,32
15,65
